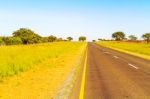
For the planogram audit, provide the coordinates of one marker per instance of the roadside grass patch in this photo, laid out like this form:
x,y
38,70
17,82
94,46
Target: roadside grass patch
x,y
139,49
46,77
20,58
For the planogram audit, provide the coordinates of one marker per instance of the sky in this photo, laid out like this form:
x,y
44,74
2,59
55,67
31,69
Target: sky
x,y
62,18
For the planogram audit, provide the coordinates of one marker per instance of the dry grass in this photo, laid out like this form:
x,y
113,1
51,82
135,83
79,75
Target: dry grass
x,y
138,49
45,78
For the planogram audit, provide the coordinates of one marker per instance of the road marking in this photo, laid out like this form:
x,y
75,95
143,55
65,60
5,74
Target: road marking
x,y
103,49
115,56
133,66
81,96
107,52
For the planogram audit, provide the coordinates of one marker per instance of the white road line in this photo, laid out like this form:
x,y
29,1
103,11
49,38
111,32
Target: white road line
x,y
103,49
107,52
115,56
133,66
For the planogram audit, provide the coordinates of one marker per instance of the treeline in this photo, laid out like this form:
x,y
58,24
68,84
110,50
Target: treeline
x,y
120,36
27,36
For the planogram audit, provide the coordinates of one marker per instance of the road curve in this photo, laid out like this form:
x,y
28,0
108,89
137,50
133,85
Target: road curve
x,y
112,74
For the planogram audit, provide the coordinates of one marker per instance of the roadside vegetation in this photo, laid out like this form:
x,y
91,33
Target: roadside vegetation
x,y
136,47
129,44
82,38
18,58
46,68
28,36
36,67
29,48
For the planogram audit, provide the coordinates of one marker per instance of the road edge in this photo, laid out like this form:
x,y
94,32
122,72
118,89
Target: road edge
x,y
81,95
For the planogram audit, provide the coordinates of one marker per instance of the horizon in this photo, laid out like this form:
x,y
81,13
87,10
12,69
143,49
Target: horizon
x,y
62,18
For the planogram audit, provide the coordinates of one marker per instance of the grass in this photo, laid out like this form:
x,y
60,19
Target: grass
x,y
139,49
46,75
19,58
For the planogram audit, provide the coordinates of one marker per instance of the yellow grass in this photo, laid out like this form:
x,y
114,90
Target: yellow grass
x,y
138,49
46,77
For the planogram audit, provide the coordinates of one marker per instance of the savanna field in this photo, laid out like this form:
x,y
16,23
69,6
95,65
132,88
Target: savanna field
x,y
37,70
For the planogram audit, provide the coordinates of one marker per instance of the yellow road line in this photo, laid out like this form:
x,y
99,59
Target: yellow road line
x,y
81,96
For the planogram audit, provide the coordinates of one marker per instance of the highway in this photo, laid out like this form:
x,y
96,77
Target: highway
x,y
113,75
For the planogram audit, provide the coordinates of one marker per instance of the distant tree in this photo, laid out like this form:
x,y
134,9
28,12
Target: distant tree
x,y
52,38
93,40
44,39
1,41
60,39
27,36
12,40
82,38
146,37
69,38
100,39
132,37
36,39
118,36
6,40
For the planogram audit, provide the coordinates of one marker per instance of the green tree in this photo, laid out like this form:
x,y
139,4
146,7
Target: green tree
x,y
132,37
1,41
69,38
118,36
12,40
99,39
93,40
44,39
52,38
27,36
60,39
82,38
146,37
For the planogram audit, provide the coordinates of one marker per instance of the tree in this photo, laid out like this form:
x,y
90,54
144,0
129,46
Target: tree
x,y
12,40
69,38
44,39
99,39
93,40
27,36
60,39
146,37
1,41
82,38
118,36
132,37
52,38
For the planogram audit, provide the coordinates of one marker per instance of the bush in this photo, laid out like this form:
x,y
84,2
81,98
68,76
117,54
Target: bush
x,y
82,38
59,39
1,41
44,39
52,38
12,40
27,36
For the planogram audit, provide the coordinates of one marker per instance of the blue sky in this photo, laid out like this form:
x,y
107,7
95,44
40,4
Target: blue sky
x,y
92,18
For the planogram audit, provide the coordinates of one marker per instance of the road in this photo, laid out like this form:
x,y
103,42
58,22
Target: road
x,y
111,74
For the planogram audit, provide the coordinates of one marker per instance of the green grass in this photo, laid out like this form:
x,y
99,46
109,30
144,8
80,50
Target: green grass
x,y
137,48
19,58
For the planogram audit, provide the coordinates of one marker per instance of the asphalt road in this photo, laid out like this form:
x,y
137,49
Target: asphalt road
x,y
112,74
